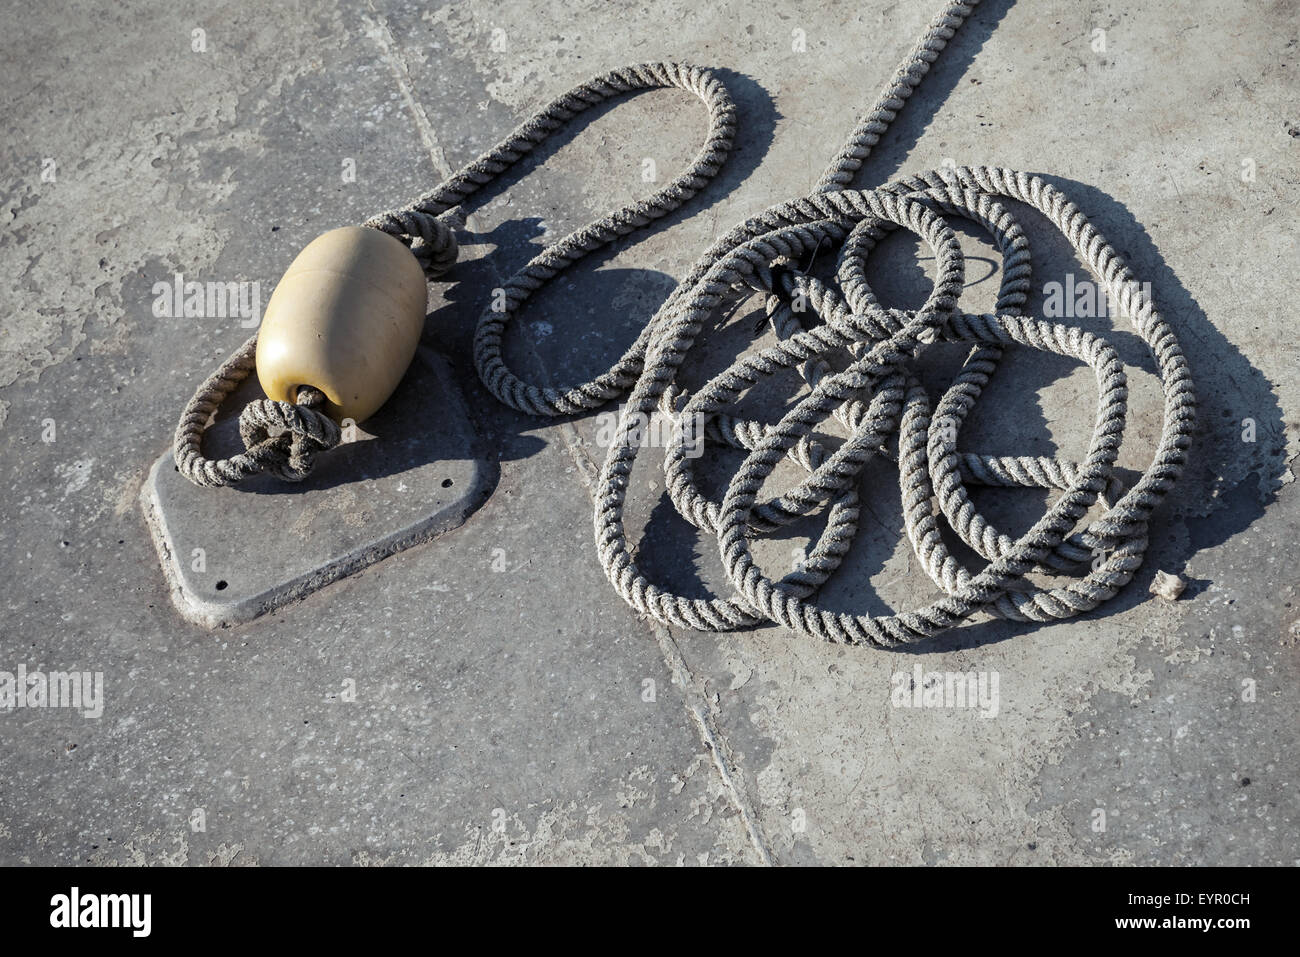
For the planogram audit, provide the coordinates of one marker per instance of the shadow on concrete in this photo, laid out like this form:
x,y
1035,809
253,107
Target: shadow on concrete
x,y
602,308
1228,483
895,150
424,422
1222,491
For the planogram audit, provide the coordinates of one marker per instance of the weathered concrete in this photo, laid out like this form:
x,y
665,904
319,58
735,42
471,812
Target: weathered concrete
x,y
485,696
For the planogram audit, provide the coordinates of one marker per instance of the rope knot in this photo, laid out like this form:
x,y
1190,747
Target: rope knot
x,y
283,438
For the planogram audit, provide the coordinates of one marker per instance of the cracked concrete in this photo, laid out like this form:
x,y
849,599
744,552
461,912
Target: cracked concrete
x,y
486,697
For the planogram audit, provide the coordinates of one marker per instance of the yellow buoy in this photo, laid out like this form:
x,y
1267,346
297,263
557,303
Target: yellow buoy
x,y
345,319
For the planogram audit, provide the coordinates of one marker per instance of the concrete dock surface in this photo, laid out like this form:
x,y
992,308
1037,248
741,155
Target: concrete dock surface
x,y
486,697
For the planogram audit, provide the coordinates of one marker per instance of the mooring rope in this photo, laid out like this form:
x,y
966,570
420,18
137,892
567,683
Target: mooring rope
x,y
875,397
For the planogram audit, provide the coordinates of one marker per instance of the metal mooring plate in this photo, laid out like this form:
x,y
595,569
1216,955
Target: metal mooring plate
x,y
412,472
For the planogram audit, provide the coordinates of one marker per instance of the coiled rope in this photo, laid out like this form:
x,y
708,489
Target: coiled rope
x,y
877,395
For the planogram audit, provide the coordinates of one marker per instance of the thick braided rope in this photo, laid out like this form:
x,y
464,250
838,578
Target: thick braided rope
x,y
1119,535
786,232
874,399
